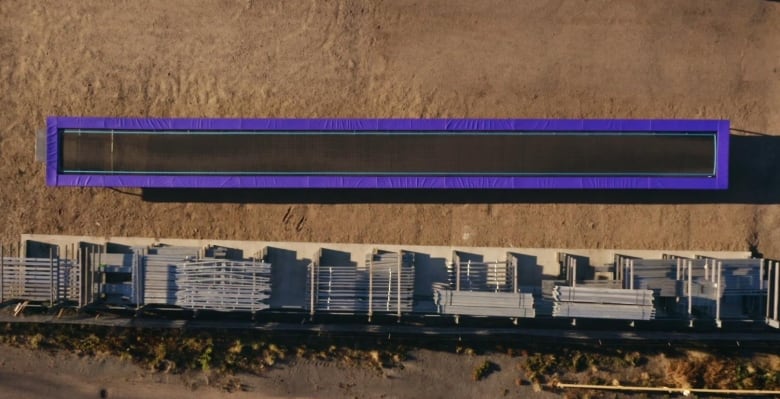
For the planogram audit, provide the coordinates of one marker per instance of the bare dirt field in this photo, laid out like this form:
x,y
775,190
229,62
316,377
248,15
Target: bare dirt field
x,y
431,375
569,59
433,59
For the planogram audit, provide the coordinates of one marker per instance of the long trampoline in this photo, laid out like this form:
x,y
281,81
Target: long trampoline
x,y
387,153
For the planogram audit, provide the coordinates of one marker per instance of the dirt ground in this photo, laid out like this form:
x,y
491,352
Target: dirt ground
x,y
568,59
429,375
433,59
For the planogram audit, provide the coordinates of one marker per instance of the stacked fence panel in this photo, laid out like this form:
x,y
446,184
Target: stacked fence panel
x,y
590,302
384,284
481,276
391,282
51,280
160,279
224,285
174,276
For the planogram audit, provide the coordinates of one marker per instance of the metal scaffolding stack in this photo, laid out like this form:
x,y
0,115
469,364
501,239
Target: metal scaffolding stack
x,y
605,303
476,303
471,275
723,288
52,280
224,285
482,289
118,291
160,276
176,276
383,284
659,275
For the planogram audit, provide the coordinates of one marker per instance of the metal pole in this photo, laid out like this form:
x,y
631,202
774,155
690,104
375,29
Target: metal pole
x,y
254,284
573,268
717,292
631,263
311,289
678,268
90,261
399,285
139,295
81,276
777,289
61,278
622,274
51,277
370,286
495,274
100,269
457,273
690,288
516,279
468,272
769,289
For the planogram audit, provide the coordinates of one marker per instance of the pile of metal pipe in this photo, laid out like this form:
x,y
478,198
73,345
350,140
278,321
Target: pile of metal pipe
x,y
593,302
476,303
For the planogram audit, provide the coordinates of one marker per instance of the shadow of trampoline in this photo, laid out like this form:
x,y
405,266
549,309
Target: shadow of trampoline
x,y
754,179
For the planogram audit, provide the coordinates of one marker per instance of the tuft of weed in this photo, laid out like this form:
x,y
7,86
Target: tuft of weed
x,y
483,369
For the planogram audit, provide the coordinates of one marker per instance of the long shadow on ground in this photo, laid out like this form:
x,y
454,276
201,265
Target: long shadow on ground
x,y
754,179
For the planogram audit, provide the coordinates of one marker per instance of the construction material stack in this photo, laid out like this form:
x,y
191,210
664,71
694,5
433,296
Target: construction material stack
x,y
605,303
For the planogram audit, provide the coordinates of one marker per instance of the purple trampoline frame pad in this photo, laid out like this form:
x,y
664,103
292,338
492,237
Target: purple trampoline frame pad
x,y
719,180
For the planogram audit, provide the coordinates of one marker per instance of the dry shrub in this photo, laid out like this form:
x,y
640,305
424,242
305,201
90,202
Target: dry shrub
x,y
483,370
716,373
685,373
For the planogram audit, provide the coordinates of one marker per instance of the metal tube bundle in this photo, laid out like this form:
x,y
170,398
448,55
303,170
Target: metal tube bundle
x,y
476,303
586,302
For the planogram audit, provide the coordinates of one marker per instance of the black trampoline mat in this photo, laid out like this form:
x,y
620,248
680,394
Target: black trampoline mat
x,y
374,153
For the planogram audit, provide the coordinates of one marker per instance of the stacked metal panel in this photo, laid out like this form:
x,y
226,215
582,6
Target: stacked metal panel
x,y
118,263
160,276
604,303
388,291
384,284
481,276
659,275
482,289
224,285
742,276
726,288
39,279
174,276
176,251
476,303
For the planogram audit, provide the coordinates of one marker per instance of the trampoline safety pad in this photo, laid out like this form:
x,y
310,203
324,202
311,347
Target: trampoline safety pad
x,y
408,153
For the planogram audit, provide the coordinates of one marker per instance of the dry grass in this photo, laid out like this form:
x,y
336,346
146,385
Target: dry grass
x,y
219,354
718,372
